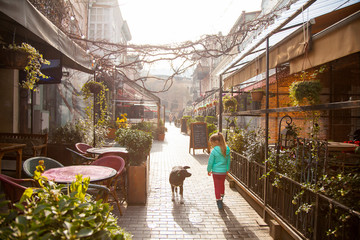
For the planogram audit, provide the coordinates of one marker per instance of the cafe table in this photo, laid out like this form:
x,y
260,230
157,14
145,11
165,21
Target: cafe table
x,y
68,174
341,146
102,150
13,147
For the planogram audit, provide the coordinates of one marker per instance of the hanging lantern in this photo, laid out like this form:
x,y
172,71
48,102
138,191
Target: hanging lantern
x,y
287,137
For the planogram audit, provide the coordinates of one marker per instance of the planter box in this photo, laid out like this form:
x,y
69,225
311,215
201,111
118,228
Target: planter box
x,y
59,153
138,181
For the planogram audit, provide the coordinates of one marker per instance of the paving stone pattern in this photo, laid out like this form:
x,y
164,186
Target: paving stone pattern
x,y
198,217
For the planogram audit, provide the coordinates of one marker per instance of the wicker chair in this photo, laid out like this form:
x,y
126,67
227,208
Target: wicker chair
x,y
78,158
14,187
30,164
118,164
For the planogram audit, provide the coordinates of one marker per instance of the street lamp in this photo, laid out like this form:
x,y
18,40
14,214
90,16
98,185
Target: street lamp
x,y
286,137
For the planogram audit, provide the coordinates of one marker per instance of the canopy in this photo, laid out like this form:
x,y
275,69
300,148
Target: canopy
x,y
20,20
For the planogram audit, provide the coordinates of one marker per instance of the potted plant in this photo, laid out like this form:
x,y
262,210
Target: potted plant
x,y
81,216
257,94
305,92
24,57
64,137
230,103
138,144
160,132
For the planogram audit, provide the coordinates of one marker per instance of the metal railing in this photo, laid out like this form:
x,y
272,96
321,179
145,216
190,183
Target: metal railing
x,y
320,216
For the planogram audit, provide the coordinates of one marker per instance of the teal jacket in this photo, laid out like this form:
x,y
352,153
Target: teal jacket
x,y
217,162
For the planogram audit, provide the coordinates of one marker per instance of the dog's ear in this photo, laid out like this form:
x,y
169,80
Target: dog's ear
x,y
186,167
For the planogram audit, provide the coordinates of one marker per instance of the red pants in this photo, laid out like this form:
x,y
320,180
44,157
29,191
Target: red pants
x,y
219,184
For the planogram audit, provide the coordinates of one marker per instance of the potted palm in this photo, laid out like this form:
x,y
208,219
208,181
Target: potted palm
x,y
138,144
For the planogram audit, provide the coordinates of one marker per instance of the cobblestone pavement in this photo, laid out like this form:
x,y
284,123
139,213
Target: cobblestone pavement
x,y
198,217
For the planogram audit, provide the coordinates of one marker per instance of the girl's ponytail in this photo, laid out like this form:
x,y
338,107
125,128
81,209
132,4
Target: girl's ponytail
x,y
222,143
220,138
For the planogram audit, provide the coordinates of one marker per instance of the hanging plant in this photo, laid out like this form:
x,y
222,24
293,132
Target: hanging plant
x,y
98,89
305,92
230,104
16,56
257,94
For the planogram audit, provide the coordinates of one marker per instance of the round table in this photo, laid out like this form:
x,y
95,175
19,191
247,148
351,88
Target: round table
x,y
102,150
341,146
68,174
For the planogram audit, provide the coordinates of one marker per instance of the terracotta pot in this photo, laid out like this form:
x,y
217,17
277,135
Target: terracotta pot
x,y
137,185
111,134
257,96
13,59
161,136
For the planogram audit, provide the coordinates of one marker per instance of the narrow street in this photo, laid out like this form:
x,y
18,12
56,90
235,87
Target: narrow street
x,y
198,217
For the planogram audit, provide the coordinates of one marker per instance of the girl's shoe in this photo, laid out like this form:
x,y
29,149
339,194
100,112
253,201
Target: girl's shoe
x,y
220,204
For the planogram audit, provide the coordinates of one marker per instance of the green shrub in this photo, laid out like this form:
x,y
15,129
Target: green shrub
x,y
211,129
199,118
138,143
52,214
144,126
210,119
70,133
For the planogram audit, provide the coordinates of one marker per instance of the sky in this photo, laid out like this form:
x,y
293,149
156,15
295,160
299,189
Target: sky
x,y
175,21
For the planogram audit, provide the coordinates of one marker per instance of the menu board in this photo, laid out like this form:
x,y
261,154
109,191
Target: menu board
x,y
198,137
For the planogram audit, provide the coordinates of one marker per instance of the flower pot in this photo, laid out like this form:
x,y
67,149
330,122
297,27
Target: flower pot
x,y
257,96
94,88
137,185
161,136
111,134
13,59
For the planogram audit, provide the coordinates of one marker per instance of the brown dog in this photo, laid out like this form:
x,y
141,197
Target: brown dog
x,y
176,179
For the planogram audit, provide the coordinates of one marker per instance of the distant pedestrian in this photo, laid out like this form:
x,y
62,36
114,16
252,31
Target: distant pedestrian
x,y
171,118
219,165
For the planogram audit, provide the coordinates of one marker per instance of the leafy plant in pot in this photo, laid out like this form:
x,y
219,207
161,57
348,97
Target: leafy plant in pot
x,y
230,104
138,144
64,137
24,57
307,90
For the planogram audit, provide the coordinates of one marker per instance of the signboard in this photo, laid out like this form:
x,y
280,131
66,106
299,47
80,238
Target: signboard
x,y
199,137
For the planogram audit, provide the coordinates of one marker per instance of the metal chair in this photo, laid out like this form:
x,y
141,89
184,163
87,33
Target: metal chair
x,y
14,187
118,164
30,164
78,158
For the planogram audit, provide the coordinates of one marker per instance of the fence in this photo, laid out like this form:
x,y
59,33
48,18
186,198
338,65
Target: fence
x,y
319,218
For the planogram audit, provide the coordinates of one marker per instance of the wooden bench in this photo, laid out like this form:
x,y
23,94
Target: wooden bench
x,y
36,145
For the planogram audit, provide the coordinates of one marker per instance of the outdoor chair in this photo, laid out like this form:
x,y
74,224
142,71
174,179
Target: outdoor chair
x,y
30,164
78,158
82,147
118,164
14,187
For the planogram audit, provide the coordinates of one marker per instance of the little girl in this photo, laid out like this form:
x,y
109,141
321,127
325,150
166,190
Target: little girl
x,y
219,165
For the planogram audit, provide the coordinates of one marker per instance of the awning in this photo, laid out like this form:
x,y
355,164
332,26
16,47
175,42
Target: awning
x,y
342,38
20,20
286,41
